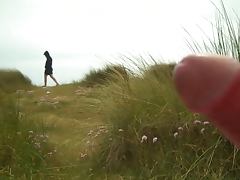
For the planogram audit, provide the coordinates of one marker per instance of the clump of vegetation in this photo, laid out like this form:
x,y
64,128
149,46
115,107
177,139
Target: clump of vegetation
x,y
225,39
104,76
12,80
152,135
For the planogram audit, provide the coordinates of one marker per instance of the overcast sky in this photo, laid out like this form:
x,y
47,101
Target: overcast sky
x,y
81,34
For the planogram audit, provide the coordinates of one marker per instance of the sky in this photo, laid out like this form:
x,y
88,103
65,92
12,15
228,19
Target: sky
x,y
85,34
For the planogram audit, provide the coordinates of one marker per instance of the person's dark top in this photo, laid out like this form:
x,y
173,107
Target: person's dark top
x,y
48,64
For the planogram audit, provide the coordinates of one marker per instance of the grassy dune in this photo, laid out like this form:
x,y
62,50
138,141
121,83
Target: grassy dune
x,y
129,128
45,130
11,80
153,136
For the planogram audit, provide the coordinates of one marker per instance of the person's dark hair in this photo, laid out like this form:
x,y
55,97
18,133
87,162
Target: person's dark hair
x,y
46,53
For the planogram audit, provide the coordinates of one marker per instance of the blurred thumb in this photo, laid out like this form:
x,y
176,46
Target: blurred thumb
x,y
211,85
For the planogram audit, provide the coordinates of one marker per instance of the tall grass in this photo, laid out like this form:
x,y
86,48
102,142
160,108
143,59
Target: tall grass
x,y
146,107
24,144
225,39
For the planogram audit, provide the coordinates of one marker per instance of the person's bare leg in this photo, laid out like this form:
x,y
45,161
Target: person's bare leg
x,y
45,80
54,79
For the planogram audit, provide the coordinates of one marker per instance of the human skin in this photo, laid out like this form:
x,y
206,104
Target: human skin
x,y
210,85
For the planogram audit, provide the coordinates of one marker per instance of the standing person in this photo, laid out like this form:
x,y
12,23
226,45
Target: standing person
x,y
48,69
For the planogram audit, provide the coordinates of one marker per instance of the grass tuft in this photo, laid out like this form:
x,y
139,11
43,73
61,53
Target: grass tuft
x,y
225,39
104,76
